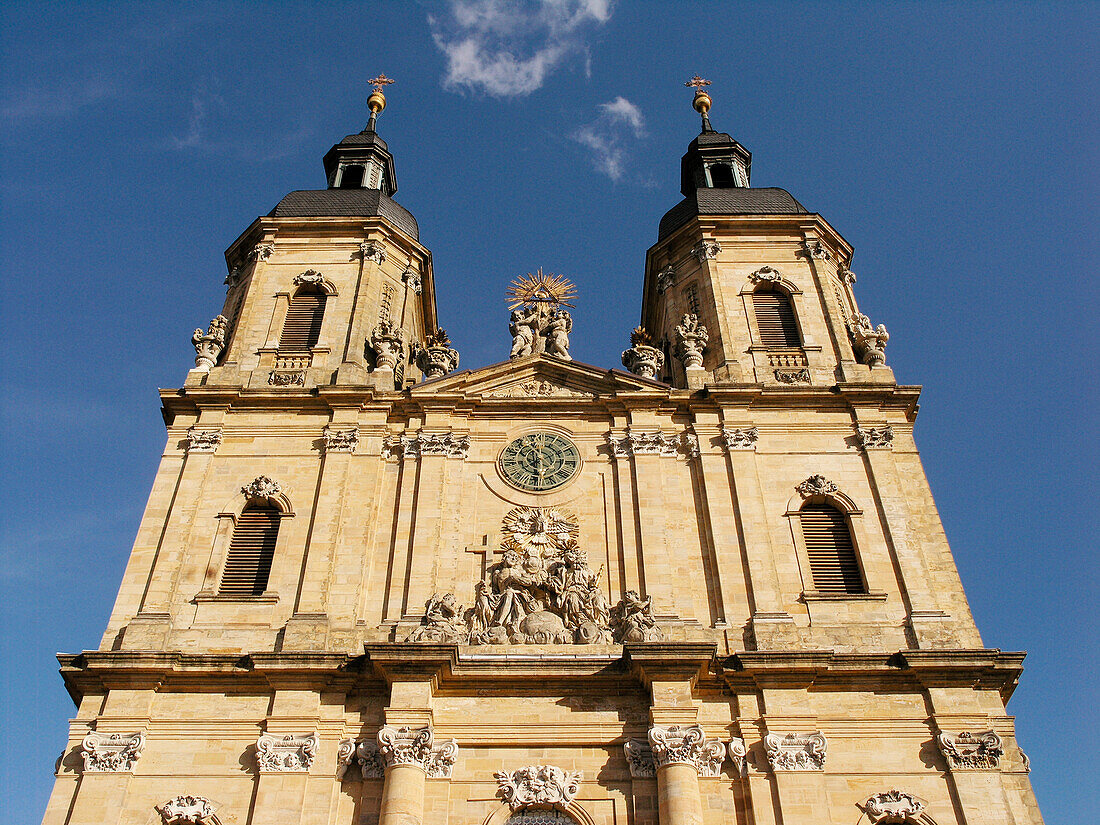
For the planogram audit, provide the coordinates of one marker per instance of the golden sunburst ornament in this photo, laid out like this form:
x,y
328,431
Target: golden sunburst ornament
x,y
540,289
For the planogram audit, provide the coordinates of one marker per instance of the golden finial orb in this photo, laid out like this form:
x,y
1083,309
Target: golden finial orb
x,y
701,101
377,100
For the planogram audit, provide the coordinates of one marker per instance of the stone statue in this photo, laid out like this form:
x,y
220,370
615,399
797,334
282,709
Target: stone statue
x,y
557,334
632,619
524,329
442,622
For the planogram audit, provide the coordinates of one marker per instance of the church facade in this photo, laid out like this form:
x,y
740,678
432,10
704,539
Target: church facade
x,y
710,586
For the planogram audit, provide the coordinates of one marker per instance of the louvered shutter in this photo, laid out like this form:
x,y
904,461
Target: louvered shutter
x,y
302,327
251,550
775,320
833,563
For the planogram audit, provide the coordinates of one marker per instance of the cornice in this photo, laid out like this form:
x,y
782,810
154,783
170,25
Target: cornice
x,y
519,670
983,669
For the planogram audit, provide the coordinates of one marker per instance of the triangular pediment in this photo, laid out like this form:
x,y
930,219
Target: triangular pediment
x,y
539,377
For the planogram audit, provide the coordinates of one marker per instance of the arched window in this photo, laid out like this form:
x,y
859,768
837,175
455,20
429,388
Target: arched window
x,y
302,327
352,177
251,550
721,176
775,319
828,537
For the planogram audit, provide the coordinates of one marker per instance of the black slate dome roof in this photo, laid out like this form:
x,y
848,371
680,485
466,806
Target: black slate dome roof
x,y
732,201
346,203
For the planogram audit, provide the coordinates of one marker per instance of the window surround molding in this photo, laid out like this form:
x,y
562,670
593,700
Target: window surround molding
x,y
854,517
226,520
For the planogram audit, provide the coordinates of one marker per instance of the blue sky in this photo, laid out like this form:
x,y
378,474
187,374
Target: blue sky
x,y
953,144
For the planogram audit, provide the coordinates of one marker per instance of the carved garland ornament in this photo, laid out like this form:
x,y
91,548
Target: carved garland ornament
x,y
412,280
538,786
686,745
796,752
371,251
261,251
452,445
740,438
706,249
285,754
875,438
893,806
340,441
111,752
657,443
666,278
203,441
979,751
186,810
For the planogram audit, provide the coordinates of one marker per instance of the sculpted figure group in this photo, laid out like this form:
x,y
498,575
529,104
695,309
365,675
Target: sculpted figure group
x,y
542,591
540,328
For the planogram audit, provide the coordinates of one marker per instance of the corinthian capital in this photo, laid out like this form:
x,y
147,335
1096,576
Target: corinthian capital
x,y
686,745
406,746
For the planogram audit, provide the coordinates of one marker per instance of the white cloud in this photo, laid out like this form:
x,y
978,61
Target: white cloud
x,y
508,49
59,100
617,121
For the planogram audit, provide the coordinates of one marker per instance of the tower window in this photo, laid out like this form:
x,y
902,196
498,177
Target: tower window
x,y
251,550
721,176
302,327
775,319
833,564
352,177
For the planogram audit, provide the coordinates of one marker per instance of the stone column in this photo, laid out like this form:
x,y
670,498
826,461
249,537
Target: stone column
x,y
406,752
681,751
405,742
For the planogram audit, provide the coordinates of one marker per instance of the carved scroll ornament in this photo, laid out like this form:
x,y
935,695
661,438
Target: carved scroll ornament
x,y
186,810
816,485
893,806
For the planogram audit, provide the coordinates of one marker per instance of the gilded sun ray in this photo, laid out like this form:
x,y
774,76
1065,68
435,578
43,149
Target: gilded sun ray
x,y
540,289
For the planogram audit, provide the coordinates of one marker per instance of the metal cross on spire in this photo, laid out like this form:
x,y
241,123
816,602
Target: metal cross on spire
x,y
701,101
382,81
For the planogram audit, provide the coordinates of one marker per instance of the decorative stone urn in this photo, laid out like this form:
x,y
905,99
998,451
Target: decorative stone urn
x,y
437,357
209,345
870,342
643,358
691,340
388,342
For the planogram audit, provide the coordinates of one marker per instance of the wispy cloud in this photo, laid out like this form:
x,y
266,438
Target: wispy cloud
x,y
618,121
198,135
508,49
61,100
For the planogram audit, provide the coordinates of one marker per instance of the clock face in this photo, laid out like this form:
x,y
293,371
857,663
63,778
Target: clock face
x,y
539,461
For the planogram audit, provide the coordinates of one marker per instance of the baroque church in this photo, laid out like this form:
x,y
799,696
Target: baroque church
x,y
707,587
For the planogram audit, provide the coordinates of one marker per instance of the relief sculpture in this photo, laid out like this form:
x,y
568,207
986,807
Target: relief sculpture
x,y
541,591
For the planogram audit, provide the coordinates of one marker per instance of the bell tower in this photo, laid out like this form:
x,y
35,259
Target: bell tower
x,y
321,273
767,279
